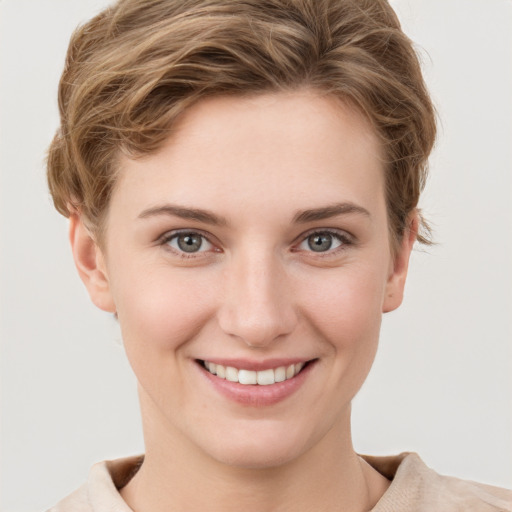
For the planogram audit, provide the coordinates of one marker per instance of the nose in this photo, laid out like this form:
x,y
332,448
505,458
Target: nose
x,y
258,303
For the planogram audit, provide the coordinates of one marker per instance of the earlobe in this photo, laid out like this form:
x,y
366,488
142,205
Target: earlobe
x,y
90,263
395,286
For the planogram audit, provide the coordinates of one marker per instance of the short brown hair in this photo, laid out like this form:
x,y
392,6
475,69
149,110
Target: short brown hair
x,y
132,69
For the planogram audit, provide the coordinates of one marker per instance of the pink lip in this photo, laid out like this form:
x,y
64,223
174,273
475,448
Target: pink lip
x,y
266,364
255,395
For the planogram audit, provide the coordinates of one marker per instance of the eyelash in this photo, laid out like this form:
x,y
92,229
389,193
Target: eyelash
x,y
345,240
342,237
174,235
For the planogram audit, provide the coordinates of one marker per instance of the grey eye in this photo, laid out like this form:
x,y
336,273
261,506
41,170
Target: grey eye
x,y
320,242
324,241
189,242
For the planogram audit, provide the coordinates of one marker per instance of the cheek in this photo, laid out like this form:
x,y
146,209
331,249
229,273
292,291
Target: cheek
x,y
346,313
160,311
347,307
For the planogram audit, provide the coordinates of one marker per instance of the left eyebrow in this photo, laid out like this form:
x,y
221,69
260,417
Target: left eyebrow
x,y
329,211
184,213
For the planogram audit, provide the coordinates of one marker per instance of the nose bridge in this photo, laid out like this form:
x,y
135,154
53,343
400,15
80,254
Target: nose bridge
x,y
258,306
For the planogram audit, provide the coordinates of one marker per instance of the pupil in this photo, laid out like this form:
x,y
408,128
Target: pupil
x,y
320,243
189,243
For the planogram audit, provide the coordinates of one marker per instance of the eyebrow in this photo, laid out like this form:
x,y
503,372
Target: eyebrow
x,y
329,211
197,214
211,218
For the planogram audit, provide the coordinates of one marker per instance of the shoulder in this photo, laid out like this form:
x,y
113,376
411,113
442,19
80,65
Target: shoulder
x,y
77,501
417,487
101,490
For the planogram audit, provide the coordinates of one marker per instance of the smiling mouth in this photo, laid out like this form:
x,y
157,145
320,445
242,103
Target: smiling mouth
x,y
251,377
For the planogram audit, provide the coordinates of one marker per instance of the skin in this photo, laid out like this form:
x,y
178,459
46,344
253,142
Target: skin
x,y
255,291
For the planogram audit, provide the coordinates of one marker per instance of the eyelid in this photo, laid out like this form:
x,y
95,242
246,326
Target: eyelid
x,y
343,236
166,237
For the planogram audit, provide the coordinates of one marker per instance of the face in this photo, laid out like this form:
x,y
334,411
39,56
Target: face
x,y
249,264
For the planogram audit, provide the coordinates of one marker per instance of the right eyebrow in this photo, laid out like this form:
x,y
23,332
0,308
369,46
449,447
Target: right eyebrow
x,y
183,212
327,212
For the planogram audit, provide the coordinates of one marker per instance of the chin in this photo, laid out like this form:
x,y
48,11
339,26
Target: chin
x,y
255,456
260,446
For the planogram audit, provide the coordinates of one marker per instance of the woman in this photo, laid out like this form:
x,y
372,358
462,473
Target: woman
x,y
242,182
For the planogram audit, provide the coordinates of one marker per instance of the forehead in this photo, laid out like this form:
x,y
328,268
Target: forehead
x,y
273,149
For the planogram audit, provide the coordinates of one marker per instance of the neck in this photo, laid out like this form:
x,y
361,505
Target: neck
x,y
177,476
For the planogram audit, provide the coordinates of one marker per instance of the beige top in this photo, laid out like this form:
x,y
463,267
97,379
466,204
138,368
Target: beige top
x,y
415,487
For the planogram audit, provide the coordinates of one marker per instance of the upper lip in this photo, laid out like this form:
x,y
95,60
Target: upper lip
x,y
248,364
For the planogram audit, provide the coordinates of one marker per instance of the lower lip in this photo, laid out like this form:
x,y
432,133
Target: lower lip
x,y
255,395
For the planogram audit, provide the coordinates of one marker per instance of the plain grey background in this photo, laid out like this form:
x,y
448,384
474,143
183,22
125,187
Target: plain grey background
x,y
442,381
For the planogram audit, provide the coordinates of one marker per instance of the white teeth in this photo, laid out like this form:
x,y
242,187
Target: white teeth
x,y
280,374
265,377
262,377
221,371
247,377
231,374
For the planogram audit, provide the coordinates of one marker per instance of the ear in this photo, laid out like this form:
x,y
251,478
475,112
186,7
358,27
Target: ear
x,y
400,264
90,263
